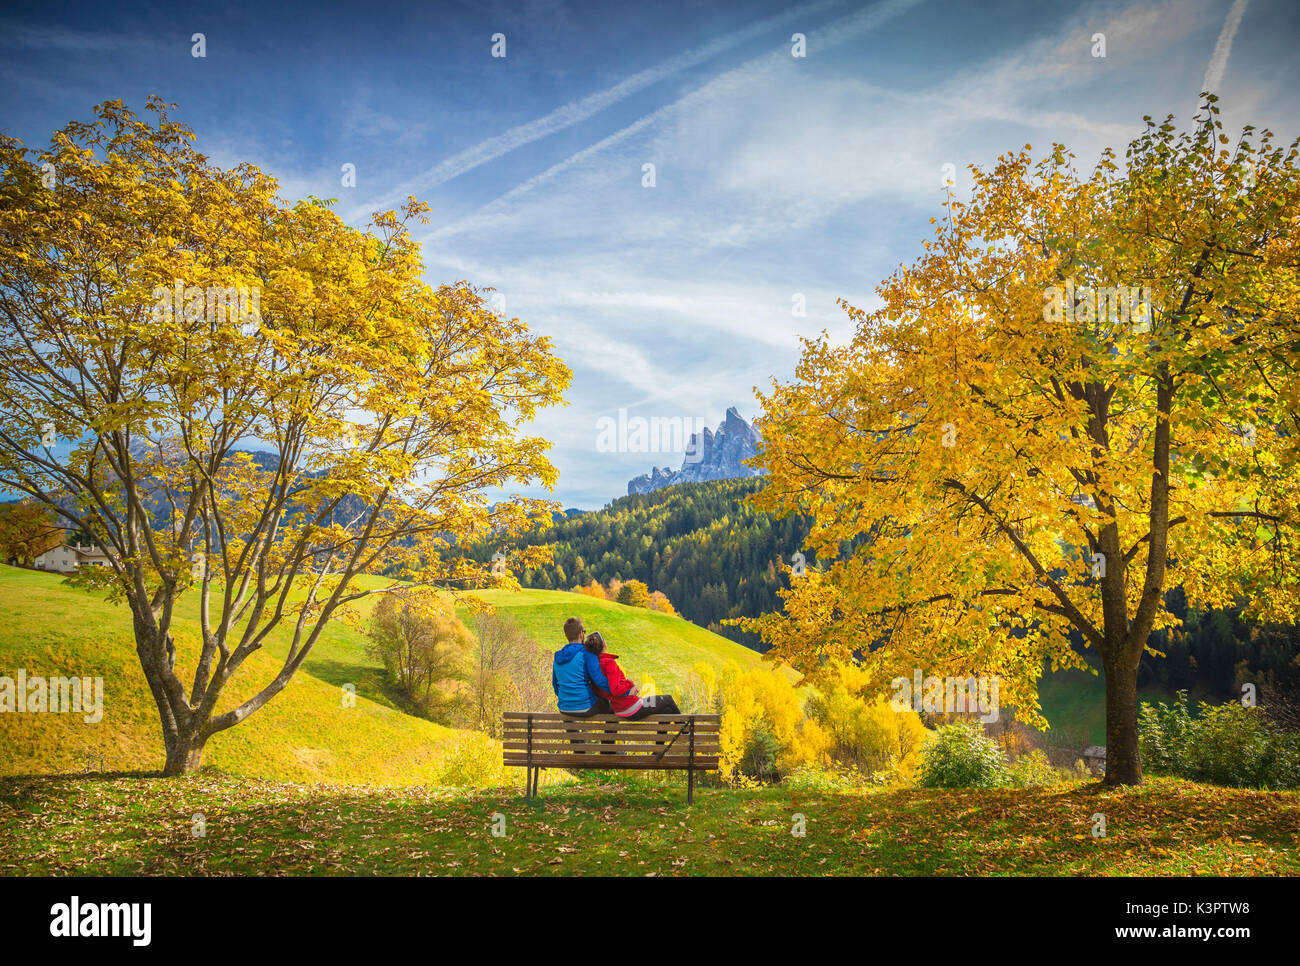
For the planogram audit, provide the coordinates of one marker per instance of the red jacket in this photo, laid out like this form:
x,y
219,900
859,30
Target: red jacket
x,y
619,697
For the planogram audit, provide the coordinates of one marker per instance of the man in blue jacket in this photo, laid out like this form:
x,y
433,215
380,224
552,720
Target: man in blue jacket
x,y
574,671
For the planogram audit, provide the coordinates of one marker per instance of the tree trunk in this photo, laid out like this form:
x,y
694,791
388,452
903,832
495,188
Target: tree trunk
x,y
184,754
181,726
1123,764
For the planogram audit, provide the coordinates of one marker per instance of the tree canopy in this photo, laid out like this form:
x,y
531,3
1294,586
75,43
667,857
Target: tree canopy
x,y
1084,392
161,317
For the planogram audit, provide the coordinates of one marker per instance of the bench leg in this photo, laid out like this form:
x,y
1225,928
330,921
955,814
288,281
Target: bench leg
x,y
690,786
537,778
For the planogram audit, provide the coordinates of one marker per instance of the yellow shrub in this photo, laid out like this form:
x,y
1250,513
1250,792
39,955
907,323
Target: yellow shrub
x,y
756,702
862,730
473,762
659,601
700,691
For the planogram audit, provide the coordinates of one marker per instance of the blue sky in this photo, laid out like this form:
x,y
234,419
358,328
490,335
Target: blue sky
x,y
775,176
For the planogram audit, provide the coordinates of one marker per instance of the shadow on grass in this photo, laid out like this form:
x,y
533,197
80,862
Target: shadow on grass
x,y
370,682
112,825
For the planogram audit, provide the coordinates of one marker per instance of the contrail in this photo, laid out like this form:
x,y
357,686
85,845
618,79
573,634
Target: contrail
x,y
832,35
1219,59
578,111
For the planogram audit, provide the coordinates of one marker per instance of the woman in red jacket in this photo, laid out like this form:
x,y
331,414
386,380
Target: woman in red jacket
x,y
623,697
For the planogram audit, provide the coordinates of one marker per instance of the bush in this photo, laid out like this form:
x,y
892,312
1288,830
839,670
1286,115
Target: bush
x,y
1162,735
1226,744
473,762
509,671
961,756
700,690
1032,770
862,733
762,719
591,589
813,778
762,749
634,593
425,649
1079,771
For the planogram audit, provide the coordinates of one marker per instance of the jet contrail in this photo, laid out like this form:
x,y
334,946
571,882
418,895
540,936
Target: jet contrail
x,y
832,35
1219,59
578,111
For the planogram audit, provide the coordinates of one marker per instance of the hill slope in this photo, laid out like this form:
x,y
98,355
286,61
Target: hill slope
x,y
304,734
646,642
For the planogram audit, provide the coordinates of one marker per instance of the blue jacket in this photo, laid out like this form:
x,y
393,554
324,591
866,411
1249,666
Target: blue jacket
x,y
574,671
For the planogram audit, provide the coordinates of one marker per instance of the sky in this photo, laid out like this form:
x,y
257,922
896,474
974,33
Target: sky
x,y
779,181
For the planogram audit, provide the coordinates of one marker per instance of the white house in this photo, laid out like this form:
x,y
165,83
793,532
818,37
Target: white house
x,y
66,559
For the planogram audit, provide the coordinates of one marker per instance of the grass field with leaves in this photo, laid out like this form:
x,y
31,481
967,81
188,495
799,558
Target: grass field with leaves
x,y
130,825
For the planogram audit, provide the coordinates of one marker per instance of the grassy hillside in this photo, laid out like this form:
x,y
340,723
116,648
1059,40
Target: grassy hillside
x,y
305,734
1074,702
647,643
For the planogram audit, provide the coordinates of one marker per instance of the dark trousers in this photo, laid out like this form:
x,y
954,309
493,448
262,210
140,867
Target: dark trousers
x,y
655,704
600,707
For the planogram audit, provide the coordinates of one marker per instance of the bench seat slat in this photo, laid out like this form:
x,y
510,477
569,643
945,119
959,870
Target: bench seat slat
x,y
673,763
625,743
647,722
610,741
550,717
675,750
603,735
611,726
646,734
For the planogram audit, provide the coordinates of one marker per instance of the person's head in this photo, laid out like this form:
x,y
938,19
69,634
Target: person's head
x,y
595,643
573,631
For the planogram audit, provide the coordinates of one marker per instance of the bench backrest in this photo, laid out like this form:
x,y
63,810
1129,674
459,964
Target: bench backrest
x,y
552,739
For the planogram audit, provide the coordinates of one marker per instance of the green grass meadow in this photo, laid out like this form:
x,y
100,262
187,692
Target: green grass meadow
x,y
127,825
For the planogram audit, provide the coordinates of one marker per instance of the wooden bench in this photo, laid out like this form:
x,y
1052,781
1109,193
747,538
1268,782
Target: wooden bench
x,y
537,740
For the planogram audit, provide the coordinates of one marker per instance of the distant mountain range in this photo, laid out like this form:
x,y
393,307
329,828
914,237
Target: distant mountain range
x,y
719,455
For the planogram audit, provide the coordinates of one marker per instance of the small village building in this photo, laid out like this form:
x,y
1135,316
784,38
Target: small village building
x,y
66,559
1094,756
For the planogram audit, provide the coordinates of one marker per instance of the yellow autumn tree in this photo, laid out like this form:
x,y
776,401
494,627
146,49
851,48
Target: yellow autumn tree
x,y
659,601
1084,393
163,320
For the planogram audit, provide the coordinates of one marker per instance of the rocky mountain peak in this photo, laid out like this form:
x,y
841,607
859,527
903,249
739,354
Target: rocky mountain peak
x,y
712,455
